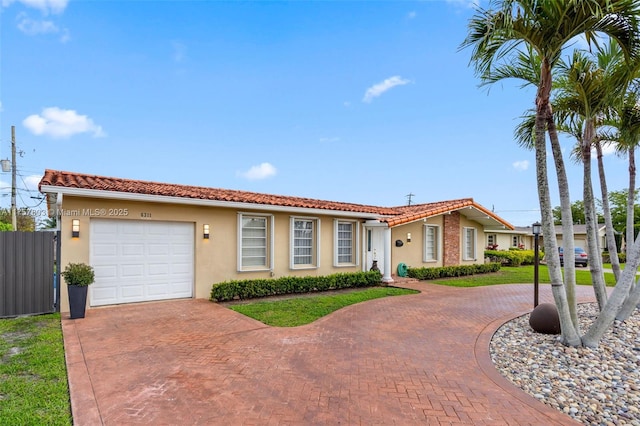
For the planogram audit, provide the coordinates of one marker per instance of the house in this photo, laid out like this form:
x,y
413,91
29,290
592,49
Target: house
x,y
518,237
580,236
153,241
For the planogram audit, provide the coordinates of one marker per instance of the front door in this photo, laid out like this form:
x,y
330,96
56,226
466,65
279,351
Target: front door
x,y
374,247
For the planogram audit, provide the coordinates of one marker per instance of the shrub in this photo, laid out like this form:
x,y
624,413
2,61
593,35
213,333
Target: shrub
x,y
510,257
250,289
606,258
79,274
452,271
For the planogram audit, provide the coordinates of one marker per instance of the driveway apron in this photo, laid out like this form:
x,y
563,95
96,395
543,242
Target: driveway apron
x,y
416,359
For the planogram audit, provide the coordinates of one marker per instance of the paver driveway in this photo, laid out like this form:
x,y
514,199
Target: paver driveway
x,y
417,359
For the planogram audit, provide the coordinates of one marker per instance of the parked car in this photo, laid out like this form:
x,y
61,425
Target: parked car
x,y
582,259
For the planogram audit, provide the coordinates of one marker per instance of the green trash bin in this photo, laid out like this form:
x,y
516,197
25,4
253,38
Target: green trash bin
x,y
402,269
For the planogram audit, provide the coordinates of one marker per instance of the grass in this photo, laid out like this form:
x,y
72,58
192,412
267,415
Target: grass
x,y
519,274
33,375
304,310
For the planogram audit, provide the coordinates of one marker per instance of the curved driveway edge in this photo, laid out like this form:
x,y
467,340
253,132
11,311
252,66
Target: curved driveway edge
x,y
417,359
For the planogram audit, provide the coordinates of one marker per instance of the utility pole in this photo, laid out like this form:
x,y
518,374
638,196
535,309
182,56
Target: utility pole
x,y
14,216
409,196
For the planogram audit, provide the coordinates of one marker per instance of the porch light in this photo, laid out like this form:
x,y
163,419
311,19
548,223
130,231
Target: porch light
x,y
205,230
408,237
75,228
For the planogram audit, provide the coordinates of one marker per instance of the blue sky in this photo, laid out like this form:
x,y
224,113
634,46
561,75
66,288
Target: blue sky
x,y
361,102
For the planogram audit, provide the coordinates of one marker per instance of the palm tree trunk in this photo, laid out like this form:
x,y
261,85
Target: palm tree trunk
x,y
597,275
631,196
544,115
606,210
567,223
614,306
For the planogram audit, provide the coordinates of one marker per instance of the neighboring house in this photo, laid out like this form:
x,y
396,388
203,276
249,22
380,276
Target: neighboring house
x,y
152,241
580,236
518,237
508,238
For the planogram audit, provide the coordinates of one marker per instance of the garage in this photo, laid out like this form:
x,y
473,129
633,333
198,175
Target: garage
x,y
140,261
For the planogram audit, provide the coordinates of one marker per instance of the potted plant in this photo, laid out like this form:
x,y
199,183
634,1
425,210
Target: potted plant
x,y
78,277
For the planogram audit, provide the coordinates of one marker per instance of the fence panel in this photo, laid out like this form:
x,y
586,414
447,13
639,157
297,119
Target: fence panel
x,y
26,273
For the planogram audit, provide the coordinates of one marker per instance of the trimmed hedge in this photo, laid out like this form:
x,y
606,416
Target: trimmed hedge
x,y
249,289
511,257
452,271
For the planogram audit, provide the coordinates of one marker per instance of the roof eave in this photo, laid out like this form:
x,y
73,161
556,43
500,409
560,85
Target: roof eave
x,y
130,196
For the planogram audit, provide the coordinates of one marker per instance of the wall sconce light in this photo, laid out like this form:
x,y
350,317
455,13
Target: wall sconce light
x,y
205,230
408,237
75,228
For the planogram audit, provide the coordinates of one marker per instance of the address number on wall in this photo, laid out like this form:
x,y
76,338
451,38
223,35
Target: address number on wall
x,y
143,214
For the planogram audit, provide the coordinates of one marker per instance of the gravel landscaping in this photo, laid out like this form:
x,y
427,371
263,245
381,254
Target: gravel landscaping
x,y
594,386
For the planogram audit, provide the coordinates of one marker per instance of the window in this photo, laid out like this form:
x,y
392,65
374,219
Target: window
x,y
345,246
491,239
431,243
255,243
304,243
515,241
469,244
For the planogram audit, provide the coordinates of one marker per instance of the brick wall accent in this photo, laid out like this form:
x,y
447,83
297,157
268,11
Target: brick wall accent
x,y
451,239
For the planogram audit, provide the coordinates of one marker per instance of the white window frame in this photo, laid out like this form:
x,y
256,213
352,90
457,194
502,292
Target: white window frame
x,y
355,247
515,241
270,222
436,243
315,246
492,239
469,252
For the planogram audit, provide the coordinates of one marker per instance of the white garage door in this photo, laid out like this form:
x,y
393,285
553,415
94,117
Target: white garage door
x,y
137,261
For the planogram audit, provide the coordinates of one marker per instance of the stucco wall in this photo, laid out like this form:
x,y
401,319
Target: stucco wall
x,y
215,258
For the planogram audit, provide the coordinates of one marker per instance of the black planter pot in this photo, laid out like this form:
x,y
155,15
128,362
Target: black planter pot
x,y
77,300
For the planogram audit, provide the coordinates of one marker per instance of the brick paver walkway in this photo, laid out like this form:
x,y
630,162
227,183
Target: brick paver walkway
x,y
418,359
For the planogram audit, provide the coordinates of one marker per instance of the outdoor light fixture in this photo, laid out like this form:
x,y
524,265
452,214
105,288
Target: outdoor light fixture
x,y
75,228
408,237
536,228
205,229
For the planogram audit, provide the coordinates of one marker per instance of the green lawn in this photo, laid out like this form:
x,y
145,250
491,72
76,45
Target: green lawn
x,y
304,310
518,275
33,375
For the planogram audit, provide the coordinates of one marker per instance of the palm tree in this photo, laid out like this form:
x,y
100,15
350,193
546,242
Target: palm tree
x,y
546,27
587,86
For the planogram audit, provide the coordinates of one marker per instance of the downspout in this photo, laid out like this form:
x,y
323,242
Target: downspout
x,y
386,278
58,216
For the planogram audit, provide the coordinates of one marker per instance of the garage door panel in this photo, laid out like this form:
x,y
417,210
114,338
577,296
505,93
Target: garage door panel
x,y
137,261
129,249
105,249
159,249
161,269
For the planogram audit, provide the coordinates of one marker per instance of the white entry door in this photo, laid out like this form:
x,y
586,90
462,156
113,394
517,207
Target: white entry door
x,y
374,247
137,261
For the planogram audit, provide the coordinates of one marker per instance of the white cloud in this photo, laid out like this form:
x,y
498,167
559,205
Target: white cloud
x,y
330,139
521,165
379,88
61,123
465,3
45,6
35,27
411,14
262,171
1,107
179,51
31,182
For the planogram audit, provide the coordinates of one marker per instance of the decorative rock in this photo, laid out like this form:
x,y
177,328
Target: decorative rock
x,y
598,386
544,319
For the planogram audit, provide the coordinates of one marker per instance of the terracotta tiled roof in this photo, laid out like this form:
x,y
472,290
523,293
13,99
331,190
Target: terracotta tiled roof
x,y
103,183
394,216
